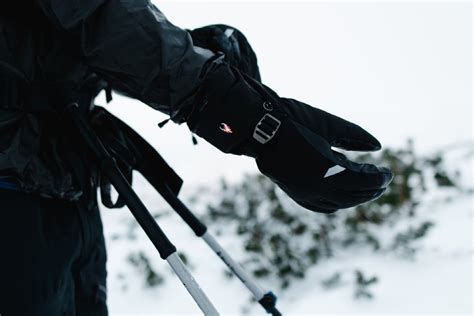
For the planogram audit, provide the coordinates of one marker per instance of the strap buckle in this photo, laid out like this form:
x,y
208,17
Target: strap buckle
x,y
266,128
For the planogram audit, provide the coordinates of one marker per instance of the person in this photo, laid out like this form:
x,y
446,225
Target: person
x,y
53,53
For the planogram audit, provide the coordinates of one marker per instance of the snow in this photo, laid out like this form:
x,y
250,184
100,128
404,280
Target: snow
x,y
438,280
399,70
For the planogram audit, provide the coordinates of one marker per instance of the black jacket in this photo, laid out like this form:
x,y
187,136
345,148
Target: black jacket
x,y
50,49
53,52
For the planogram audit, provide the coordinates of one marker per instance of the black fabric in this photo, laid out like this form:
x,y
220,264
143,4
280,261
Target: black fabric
x,y
299,158
37,150
232,43
50,50
131,152
53,259
216,104
131,44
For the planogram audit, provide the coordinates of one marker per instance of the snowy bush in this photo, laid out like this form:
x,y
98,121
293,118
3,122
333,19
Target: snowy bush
x,y
282,241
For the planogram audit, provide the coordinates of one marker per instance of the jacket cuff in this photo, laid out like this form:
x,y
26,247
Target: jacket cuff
x,y
227,110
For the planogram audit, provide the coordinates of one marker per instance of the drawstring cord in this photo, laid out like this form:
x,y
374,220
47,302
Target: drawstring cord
x,y
194,139
163,123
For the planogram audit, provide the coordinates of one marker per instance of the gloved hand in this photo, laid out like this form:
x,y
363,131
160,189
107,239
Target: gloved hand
x,y
232,43
299,159
290,140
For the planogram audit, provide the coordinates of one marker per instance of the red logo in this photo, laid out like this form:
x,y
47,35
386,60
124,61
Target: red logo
x,y
225,128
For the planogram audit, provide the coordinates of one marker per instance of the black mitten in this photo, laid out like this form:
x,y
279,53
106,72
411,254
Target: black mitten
x,y
232,43
290,140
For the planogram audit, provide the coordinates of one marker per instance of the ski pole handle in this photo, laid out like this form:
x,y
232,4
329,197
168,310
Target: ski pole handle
x,y
161,242
166,249
179,207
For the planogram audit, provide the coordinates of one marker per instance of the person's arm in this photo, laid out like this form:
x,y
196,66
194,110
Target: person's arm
x,y
132,45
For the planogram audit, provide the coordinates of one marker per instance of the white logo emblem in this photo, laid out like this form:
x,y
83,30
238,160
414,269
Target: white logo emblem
x,y
334,170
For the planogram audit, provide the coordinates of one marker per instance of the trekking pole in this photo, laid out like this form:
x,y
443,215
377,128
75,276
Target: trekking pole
x,y
161,242
266,299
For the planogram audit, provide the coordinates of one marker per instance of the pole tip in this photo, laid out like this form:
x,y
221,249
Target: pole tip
x,y
268,301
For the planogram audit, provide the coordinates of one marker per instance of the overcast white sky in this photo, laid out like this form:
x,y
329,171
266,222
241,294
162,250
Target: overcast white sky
x,y
399,70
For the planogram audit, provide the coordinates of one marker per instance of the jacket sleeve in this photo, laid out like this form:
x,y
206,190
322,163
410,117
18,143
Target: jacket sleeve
x,y
131,44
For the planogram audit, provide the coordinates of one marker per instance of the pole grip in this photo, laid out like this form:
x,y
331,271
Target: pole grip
x,y
138,209
188,217
109,167
161,242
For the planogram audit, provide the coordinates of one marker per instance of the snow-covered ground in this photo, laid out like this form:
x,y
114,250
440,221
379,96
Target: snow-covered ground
x,y
399,70
439,280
